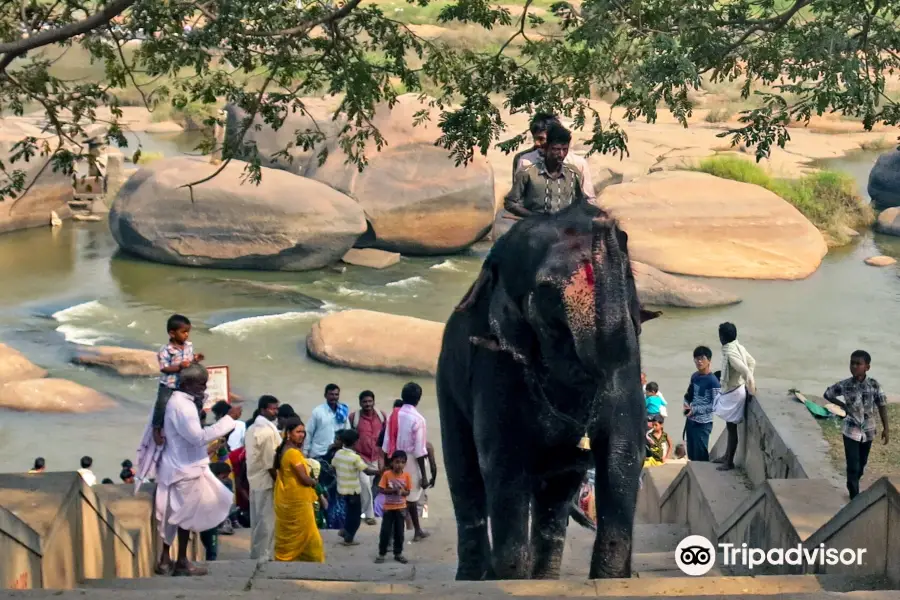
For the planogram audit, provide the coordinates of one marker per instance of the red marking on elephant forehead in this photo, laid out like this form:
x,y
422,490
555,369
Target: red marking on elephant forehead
x,y
588,269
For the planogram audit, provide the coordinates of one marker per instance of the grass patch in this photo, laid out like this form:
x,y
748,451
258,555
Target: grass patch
x,y
827,198
717,115
149,157
878,145
883,460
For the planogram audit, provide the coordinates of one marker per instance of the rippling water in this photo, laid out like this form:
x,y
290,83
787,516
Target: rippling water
x,y
67,287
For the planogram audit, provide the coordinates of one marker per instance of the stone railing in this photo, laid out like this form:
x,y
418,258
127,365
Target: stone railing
x,y
57,532
785,493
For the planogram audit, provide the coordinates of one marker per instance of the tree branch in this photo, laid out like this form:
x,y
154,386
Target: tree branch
x,y
249,122
310,24
523,20
110,11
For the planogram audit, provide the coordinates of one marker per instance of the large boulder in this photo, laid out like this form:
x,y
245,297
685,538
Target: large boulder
x,y
656,288
416,200
126,362
14,366
696,224
889,221
884,181
285,223
48,191
374,341
52,395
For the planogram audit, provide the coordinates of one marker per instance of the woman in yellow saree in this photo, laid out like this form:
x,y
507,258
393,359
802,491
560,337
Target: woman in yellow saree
x,y
296,536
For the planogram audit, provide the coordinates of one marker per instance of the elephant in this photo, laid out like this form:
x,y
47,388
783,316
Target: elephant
x,y
542,352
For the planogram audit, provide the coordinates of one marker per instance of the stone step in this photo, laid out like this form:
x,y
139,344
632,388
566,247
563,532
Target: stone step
x,y
785,587
439,550
662,537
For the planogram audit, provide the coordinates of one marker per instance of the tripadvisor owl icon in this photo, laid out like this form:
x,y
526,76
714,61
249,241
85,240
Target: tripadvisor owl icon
x,y
695,555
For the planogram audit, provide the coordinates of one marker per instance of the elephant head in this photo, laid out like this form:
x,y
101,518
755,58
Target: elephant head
x,y
560,296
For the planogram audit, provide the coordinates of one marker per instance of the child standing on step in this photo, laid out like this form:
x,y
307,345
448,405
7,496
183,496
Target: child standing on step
x,y
395,485
861,396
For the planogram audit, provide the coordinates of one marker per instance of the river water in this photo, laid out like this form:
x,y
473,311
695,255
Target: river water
x,y
72,286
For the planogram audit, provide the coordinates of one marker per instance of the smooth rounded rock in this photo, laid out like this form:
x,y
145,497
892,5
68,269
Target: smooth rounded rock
x,y
888,222
123,361
52,396
656,288
880,261
15,367
48,191
286,222
371,258
884,181
416,199
375,341
692,223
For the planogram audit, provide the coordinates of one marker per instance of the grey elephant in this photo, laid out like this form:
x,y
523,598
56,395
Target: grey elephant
x,y
541,354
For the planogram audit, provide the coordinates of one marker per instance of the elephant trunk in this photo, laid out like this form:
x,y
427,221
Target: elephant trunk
x,y
616,338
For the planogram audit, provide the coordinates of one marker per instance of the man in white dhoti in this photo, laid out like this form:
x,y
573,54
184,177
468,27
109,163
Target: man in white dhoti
x,y
261,442
737,384
188,496
405,430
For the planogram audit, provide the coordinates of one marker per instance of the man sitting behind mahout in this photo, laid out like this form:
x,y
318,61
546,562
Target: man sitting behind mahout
x,y
549,184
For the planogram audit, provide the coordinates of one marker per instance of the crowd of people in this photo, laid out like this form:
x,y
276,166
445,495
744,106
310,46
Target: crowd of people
x,y
284,478
724,394
126,475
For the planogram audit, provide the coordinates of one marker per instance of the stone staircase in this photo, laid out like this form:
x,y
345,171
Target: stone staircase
x,y
351,573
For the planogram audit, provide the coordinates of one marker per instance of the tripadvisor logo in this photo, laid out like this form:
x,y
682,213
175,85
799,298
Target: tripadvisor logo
x,y
696,555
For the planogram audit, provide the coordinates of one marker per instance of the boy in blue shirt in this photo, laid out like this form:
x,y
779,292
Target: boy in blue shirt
x,y
698,405
656,405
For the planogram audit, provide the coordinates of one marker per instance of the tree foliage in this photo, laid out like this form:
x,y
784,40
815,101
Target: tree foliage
x,y
267,56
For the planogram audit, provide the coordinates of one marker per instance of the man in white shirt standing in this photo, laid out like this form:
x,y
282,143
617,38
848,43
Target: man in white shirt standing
x,y
85,471
188,496
261,443
405,430
326,420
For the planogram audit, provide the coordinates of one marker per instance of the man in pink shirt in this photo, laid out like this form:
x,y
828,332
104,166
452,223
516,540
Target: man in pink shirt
x,y
367,422
405,431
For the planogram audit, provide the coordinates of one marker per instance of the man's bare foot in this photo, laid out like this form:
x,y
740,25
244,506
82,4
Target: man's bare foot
x,y
186,569
420,535
725,468
164,567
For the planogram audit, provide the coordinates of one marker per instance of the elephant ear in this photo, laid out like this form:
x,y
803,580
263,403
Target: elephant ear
x,y
508,325
639,314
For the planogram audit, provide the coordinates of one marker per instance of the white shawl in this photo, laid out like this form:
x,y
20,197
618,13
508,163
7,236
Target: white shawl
x,y
737,368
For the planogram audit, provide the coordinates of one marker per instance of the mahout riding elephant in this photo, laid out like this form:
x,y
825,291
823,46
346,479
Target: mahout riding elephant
x,y
542,352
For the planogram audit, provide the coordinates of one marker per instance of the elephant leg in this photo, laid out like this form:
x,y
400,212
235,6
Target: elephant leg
x,y
509,503
468,495
618,470
549,517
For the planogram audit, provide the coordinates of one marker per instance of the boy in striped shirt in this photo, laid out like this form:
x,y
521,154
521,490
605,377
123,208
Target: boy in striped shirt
x,y
347,465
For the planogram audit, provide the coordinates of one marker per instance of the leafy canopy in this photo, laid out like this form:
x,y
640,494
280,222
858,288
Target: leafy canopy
x,y
266,56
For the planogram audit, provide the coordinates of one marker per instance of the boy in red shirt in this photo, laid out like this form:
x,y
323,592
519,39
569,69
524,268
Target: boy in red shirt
x,y
395,484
